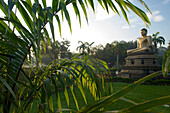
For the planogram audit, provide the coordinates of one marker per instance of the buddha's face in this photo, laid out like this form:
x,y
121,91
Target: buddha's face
x,y
143,32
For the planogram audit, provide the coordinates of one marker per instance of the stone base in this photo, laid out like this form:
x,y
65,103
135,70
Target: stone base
x,y
139,65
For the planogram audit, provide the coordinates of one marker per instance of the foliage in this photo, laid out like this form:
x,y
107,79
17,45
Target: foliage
x,y
58,74
168,46
142,93
162,81
119,79
55,50
93,107
85,47
157,39
17,38
166,63
109,52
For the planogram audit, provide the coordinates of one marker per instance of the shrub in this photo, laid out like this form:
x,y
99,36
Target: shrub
x,y
131,80
119,79
162,82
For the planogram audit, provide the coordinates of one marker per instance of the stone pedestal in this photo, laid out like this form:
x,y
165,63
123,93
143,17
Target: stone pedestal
x,y
139,64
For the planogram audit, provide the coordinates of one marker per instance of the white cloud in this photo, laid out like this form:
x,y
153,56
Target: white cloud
x,y
158,18
166,1
133,26
102,14
156,12
126,27
155,16
133,20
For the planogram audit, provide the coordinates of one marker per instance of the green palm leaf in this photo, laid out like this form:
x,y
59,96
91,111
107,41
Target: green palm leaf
x,y
114,97
8,87
147,105
76,10
63,5
25,15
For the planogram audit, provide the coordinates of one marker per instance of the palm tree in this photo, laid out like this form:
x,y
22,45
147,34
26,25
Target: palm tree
x,y
85,47
82,47
161,40
89,47
157,39
22,91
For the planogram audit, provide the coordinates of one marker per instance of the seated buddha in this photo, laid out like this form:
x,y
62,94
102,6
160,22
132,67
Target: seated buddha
x,y
143,44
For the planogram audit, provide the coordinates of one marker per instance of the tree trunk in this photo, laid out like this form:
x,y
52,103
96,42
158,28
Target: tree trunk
x,y
117,62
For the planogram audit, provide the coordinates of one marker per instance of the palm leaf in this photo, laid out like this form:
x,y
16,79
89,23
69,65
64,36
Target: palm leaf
x,y
84,9
24,15
55,4
114,97
144,5
139,12
166,64
29,2
147,105
8,87
44,3
63,5
76,10
91,4
59,24
50,17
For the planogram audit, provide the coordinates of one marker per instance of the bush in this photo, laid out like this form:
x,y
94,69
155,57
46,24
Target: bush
x,y
131,80
162,82
149,82
119,79
157,82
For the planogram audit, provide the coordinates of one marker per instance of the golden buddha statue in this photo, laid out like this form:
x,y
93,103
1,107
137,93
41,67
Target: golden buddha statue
x,y
143,44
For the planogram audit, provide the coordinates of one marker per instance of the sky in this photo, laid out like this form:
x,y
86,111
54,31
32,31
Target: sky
x,y
103,28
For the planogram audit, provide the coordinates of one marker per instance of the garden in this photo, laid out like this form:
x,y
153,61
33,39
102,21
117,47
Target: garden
x,y
75,84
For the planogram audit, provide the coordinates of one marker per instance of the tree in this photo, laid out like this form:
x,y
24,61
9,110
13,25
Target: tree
x,y
52,52
157,39
119,48
63,49
99,52
161,41
20,93
89,47
108,53
82,47
85,47
168,46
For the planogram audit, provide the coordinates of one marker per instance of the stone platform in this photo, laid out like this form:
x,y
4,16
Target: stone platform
x,y
139,64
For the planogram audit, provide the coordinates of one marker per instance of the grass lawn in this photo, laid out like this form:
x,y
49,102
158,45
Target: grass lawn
x,y
140,94
145,93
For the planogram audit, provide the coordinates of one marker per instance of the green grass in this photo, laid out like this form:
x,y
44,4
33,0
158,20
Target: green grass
x,y
141,94
145,93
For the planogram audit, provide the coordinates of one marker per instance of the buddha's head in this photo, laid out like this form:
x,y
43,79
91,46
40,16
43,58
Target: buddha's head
x,y
143,32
